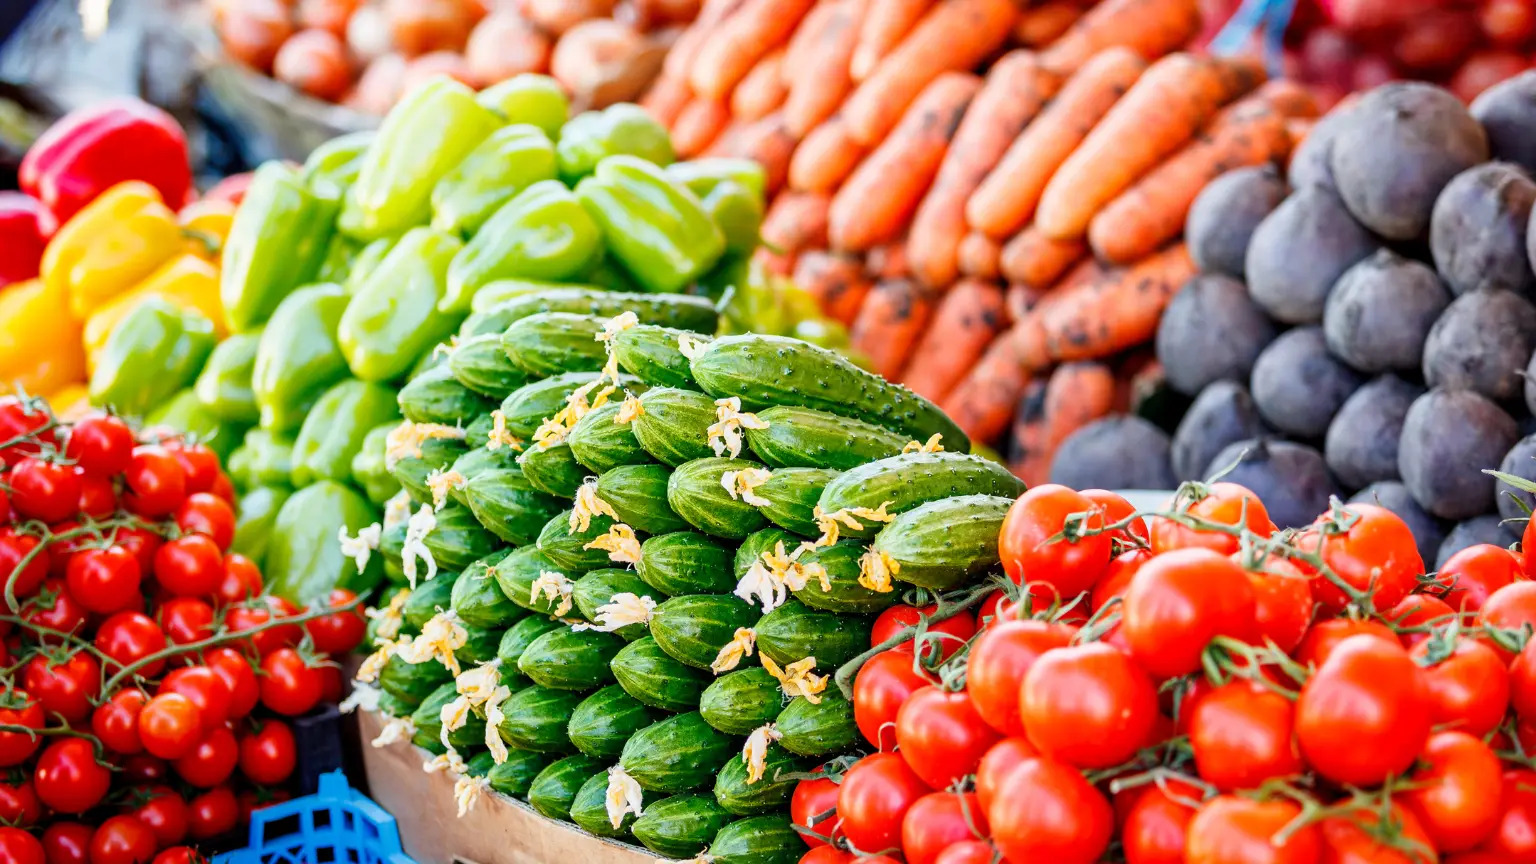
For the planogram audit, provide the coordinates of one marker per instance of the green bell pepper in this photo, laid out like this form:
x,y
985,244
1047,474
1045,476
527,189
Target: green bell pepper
x,y
428,132
339,258
624,128
701,176
538,100
264,459
304,560
543,234
224,387
367,260
396,315
369,471
512,159
154,351
258,510
738,213
334,429
184,412
652,224
277,243
338,161
298,356
609,275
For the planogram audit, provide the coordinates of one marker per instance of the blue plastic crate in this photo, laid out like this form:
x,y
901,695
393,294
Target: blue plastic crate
x,y
336,824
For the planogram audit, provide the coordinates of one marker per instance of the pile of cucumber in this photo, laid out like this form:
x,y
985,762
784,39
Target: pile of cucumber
x,y
821,436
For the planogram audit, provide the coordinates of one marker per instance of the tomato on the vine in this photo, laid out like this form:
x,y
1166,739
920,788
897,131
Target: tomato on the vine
x,y
19,847
123,840
14,548
1324,636
258,612
68,778
207,514
946,637
186,619
162,810
269,754
996,665
1117,576
205,688
142,544
1088,705
1418,611
1450,793
811,799
156,482
1031,554
999,762
1232,828
239,678
1470,577
1181,600
170,725
1228,504
874,797
941,736
289,684
64,682
67,843
1353,836
179,855
1468,688
100,443
98,498
17,708
190,566
145,768
881,686
1116,510
1241,735
199,464
43,489
966,852
1370,549
129,637
18,800
1156,826
1365,713
241,582
105,580
116,721
938,820
53,607
342,630
211,760
212,813
1047,811
1282,601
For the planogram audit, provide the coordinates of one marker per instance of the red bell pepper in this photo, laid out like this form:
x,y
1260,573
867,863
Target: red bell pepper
x,y
21,237
231,188
93,149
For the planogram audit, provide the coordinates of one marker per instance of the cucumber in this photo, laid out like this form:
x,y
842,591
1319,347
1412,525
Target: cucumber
x,y
459,539
480,364
686,562
678,754
738,702
823,729
478,433
508,505
605,720
653,677
478,600
944,544
638,493
912,479
794,631
681,825
427,718
848,597
674,425
569,659
589,809
551,343
552,469
758,542
534,718
695,493
651,354
412,682
515,575
693,628
600,444
479,646
430,597
768,795
528,406
799,437
517,639
512,777
793,493
553,791
566,550
598,587
389,706
671,310
435,396
477,461
757,840
436,454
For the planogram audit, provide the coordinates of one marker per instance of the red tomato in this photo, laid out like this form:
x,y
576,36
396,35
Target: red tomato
x,y
18,802
1004,756
190,566
1474,573
1318,645
67,843
967,852
1219,503
212,813
1527,544
98,497
252,800
223,488
1030,553
19,709
941,736
1349,838
1510,608
826,855
163,811
43,490
338,632
1178,602
179,855
13,548
1419,610
938,820
241,582
1230,829
68,778
239,678
268,755
54,608
186,620
65,685
199,464
170,725
879,690
1469,690
208,514
996,665
248,616
156,482
205,688
1118,575
129,637
143,543
123,840
948,635
1117,509
145,768
1241,734
1365,714
289,685
1449,794
1377,553
116,721
19,847
23,418
874,797
1282,597
105,580
986,613
1047,811
101,444
1157,824
813,806
212,760
1088,705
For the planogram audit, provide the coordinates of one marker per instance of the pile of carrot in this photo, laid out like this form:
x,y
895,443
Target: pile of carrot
x,y
990,195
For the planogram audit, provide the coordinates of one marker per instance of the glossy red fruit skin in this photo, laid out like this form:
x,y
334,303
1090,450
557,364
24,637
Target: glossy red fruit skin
x,y
873,798
998,662
941,736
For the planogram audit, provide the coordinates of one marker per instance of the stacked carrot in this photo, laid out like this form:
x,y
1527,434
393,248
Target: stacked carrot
x,y
1001,242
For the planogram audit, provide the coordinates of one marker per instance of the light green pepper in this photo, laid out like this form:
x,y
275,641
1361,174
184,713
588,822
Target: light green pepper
x,y
258,510
334,430
538,100
298,356
304,559
512,159
624,128
224,387
395,316
154,351
544,234
370,472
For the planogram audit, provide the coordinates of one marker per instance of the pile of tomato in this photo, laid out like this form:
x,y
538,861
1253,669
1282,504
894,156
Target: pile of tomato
x,y
147,684
1198,688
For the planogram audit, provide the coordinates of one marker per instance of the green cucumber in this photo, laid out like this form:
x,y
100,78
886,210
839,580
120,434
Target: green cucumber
x,y
605,720
481,365
552,469
513,776
912,479
651,354
430,597
515,575
799,437
390,706
553,791
508,505
459,539
527,407
848,597
638,493
693,628
534,718
823,729
437,454
673,425
671,310
677,754
686,562
551,343
652,676
740,701
480,645
477,461
769,794
696,494
792,494
570,659
794,631
944,544
478,434
681,825
589,809
427,718
600,444
517,639
597,588
757,840
758,542
435,396
566,550
477,599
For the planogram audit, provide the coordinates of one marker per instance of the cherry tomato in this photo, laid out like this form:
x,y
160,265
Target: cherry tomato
x,y
289,685
994,768
1230,828
1324,636
1047,811
1510,608
23,417
248,616
54,608
101,444
212,813
206,513
123,840
19,709
880,688
67,843
1527,544
1178,602
19,847
143,543
65,685
1118,575
179,855
43,490
1419,610
105,580
145,768
996,665
170,725
116,721
955,630
826,855
186,620
941,736
199,465
1157,825
1088,705
224,489
241,582
874,797
156,482
1449,793
1377,553
212,760
1218,503
1117,509
332,683
13,548
128,637
810,800
206,689
1282,596
239,678
1474,573
68,778
1027,548
18,801
1349,837
252,800
936,821
268,755
1469,689
1365,713
190,566
98,498
1241,734
967,852
338,632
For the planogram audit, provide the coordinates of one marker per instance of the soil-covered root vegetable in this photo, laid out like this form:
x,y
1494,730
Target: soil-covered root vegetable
x,y
1381,311
1507,111
1211,330
1361,444
1481,343
1521,462
1298,385
1427,530
1224,215
1300,250
1309,165
1477,232
1402,144
1488,528
1291,479
1121,452
1223,413
1449,437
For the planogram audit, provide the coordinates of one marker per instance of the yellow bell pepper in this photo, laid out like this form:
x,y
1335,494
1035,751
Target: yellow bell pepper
x,y
206,224
111,246
40,350
70,402
188,280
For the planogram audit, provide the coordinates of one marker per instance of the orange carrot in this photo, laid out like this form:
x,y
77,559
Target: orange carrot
x,y
877,202
742,39
1032,259
666,99
1028,457
796,221
964,324
836,281
1151,28
802,43
953,36
824,159
1078,394
1018,300
697,126
1041,25
893,318
1116,311
888,261
681,55
767,142
762,90
1160,112
1014,91
884,26
983,402
980,256
1289,98
1006,199
821,78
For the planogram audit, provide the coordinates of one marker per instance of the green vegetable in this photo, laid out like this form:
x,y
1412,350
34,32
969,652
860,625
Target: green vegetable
x,y
543,234
589,810
458,540
369,473
597,588
908,480
593,136
410,683
551,343
703,176
651,224
638,493
337,161
694,628
943,544
822,729
479,364
519,636
567,550
741,701
605,720
427,718
155,350
478,600
509,506
799,437
528,406
677,754
513,776
696,493
479,647
504,303
792,494
335,429
538,100
686,562
651,353
258,510
673,425
393,317
681,825
656,679
262,459
436,396
602,444
757,840
368,260
516,574
570,659
224,387
847,596
768,795
304,561
553,469
513,158
793,632
758,542
276,243
554,790
738,213
298,357
437,454
430,597
534,718
185,413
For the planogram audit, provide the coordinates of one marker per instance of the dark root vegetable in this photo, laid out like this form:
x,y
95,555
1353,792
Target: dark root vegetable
x,y
1478,231
1381,311
1223,216
1309,161
1479,529
1300,250
1223,413
1211,330
1427,530
1507,111
1449,437
1298,385
1521,462
1122,452
1289,478
1361,445
1481,342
